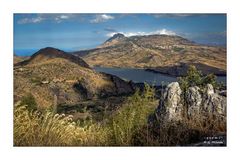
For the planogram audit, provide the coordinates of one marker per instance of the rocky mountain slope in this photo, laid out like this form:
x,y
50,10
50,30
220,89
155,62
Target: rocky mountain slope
x,y
53,73
153,51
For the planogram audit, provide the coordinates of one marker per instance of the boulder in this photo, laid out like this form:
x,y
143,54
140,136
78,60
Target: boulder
x,y
193,101
214,103
197,102
170,107
120,86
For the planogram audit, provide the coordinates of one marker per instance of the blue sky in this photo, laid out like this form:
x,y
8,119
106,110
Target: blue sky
x,y
83,31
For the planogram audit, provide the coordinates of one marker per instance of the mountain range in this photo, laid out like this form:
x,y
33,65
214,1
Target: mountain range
x,y
160,53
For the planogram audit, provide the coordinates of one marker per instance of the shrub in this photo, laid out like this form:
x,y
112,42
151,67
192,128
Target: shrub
x,y
178,49
211,79
29,101
133,115
194,77
37,80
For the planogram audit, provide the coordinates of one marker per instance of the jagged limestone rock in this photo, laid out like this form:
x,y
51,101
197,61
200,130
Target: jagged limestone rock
x,y
170,108
194,101
214,103
197,103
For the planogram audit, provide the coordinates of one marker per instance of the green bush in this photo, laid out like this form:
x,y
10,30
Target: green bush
x,y
194,77
29,101
178,49
37,80
211,79
132,117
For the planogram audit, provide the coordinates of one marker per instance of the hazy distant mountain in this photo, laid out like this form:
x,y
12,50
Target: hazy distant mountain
x,y
153,51
52,72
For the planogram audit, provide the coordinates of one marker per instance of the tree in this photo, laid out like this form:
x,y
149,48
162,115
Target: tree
x,y
194,77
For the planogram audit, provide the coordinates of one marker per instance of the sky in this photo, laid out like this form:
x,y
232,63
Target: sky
x,y
71,32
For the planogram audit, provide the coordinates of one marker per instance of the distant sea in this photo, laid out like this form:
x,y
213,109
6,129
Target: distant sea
x,y
29,52
24,52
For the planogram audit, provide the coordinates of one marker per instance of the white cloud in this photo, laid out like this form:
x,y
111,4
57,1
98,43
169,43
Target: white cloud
x,y
58,18
101,18
164,31
64,16
157,32
175,15
30,20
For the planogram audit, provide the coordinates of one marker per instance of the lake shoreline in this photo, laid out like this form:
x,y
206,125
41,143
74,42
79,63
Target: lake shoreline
x,y
142,75
180,75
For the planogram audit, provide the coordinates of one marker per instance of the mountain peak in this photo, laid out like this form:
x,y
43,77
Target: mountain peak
x,y
117,36
48,51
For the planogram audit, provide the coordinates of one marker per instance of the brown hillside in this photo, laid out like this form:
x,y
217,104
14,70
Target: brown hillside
x,y
52,72
153,51
50,53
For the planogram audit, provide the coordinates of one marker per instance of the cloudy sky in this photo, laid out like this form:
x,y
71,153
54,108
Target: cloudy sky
x,y
83,31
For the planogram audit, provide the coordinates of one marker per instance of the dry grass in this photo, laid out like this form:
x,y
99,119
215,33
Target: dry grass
x,y
47,129
35,128
184,133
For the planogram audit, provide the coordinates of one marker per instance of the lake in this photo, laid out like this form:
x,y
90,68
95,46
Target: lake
x,y
140,75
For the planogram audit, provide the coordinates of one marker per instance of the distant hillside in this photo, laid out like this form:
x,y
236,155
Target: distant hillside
x,y
153,51
181,69
52,72
50,53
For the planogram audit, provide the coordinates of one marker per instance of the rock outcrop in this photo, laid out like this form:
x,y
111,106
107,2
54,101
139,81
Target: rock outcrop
x,y
170,107
120,85
214,103
194,101
197,102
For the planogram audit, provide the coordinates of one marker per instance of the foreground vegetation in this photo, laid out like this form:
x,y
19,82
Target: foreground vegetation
x,y
43,128
133,124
